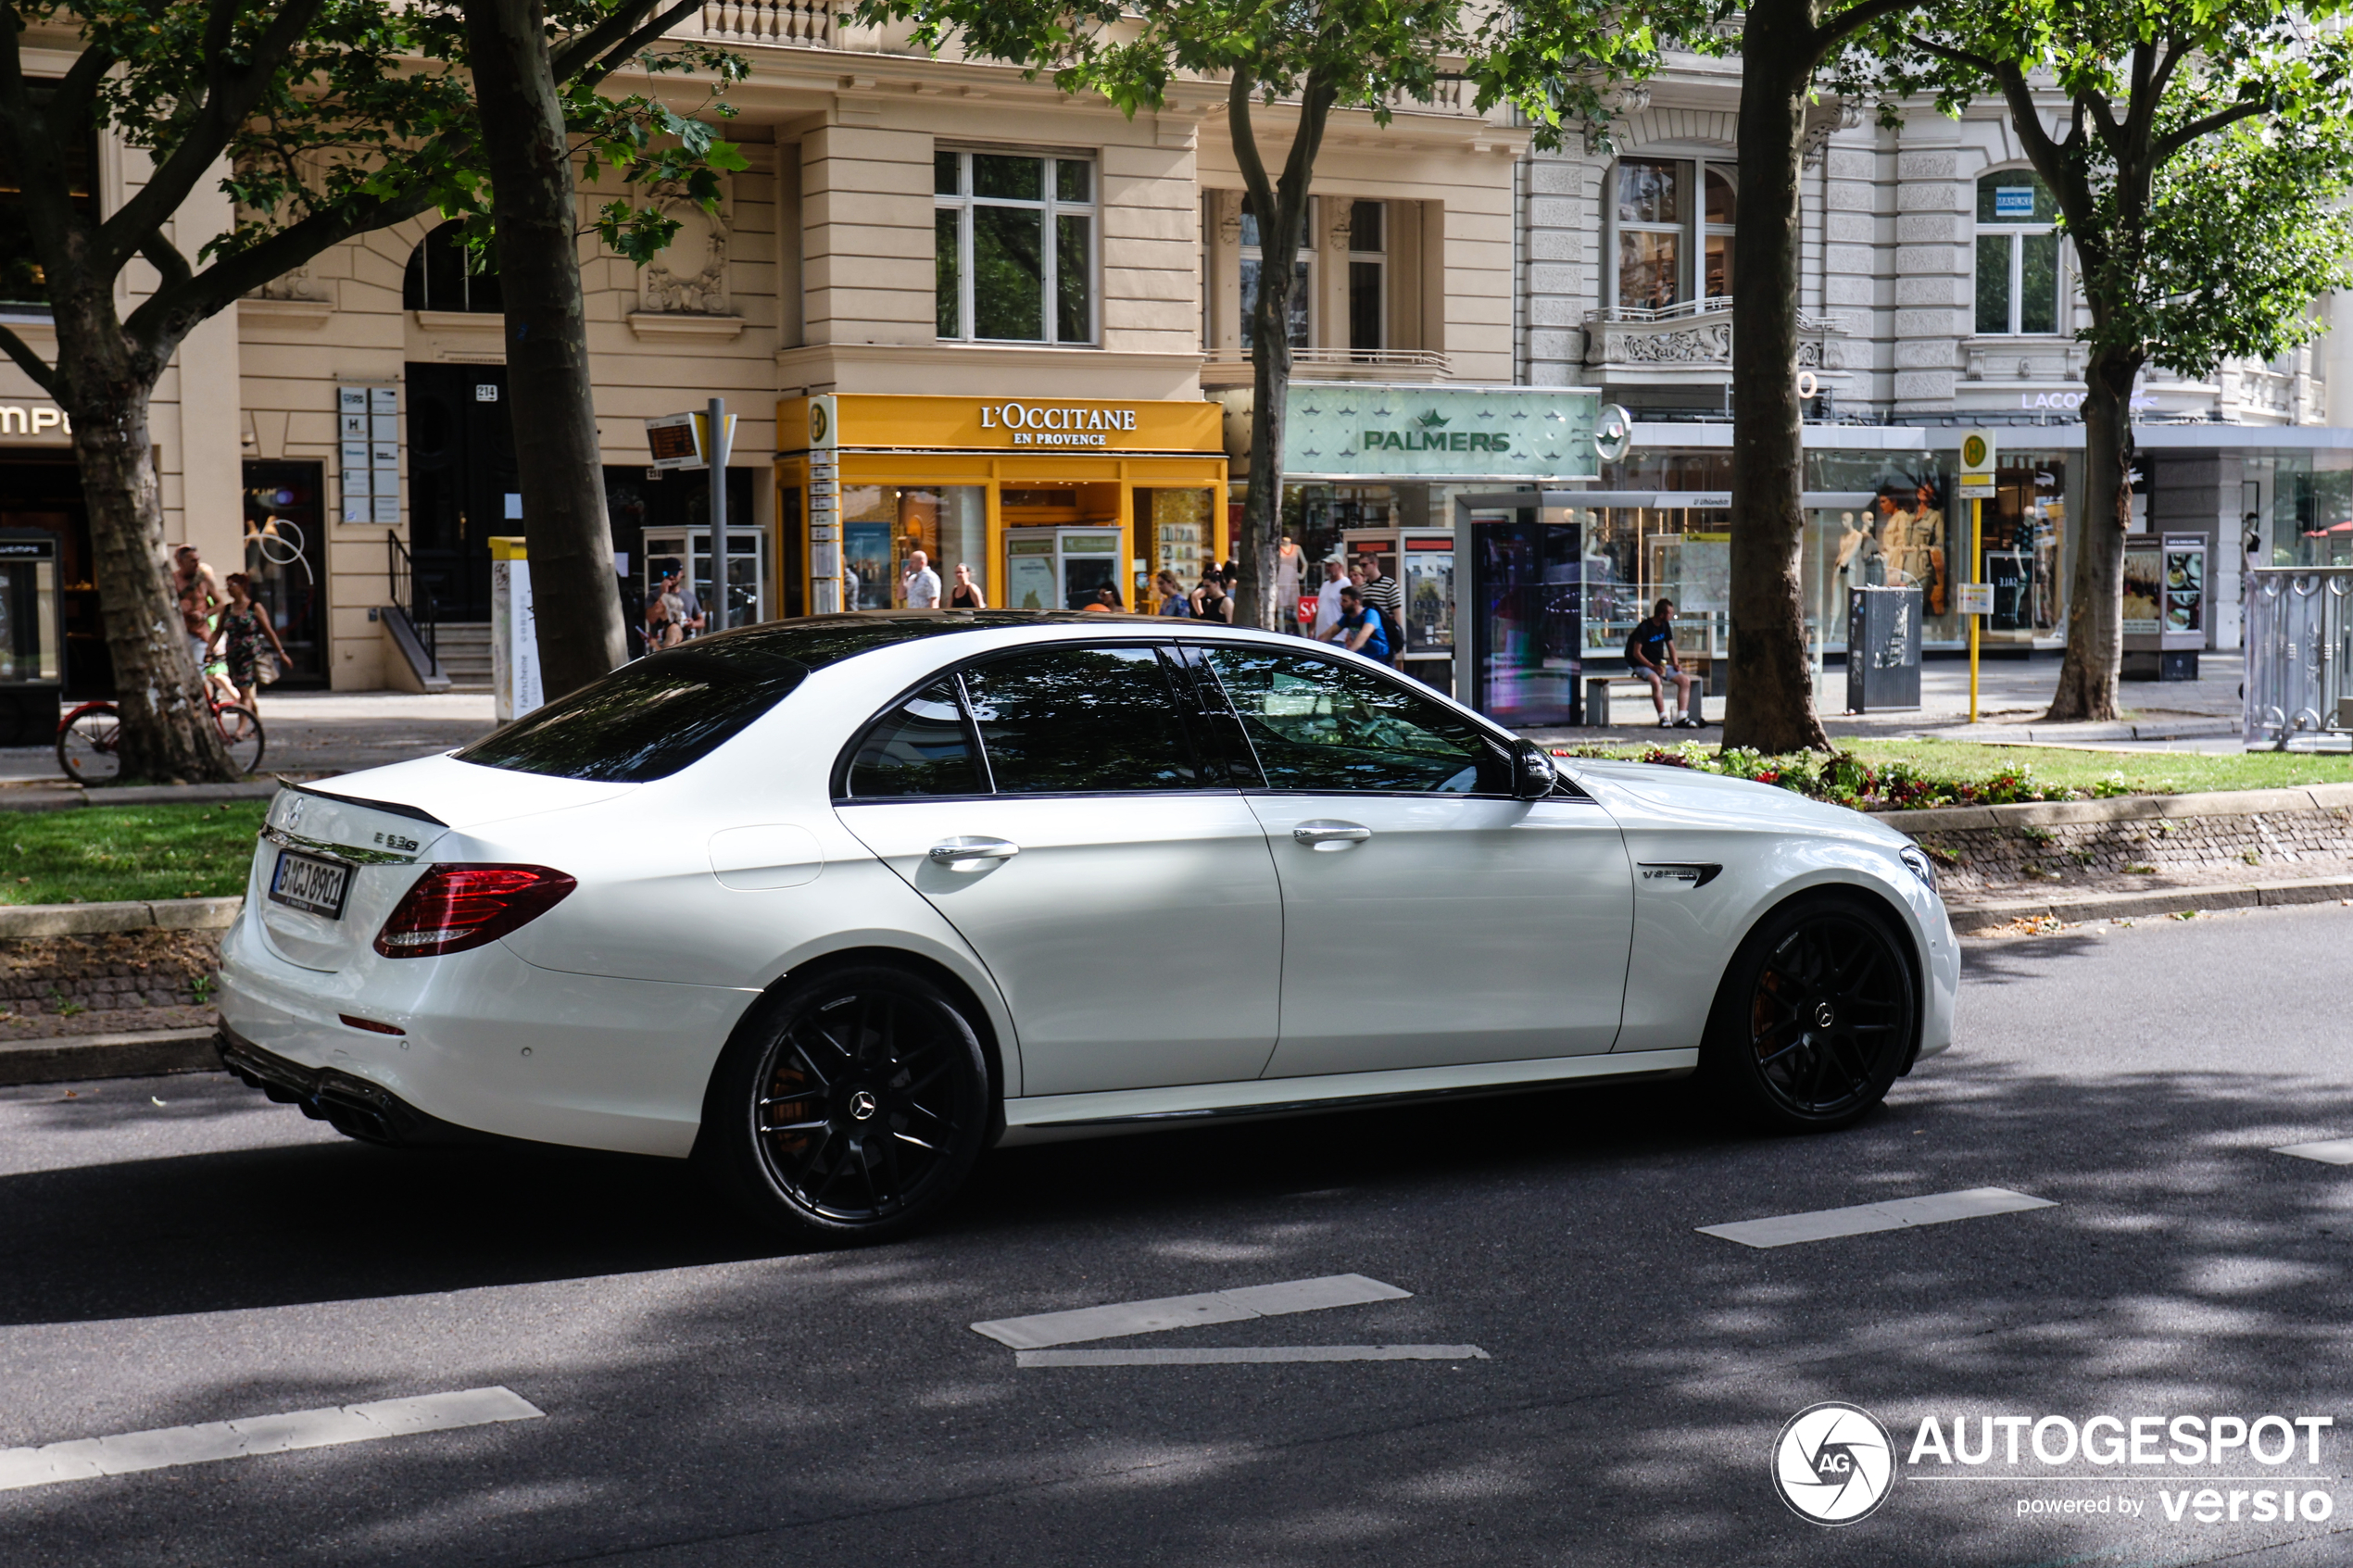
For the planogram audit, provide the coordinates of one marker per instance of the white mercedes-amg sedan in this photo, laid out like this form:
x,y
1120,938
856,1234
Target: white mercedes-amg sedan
x,y
833,906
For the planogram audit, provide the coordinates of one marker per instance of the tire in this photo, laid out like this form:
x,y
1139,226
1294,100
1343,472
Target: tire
x,y
1817,1015
88,745
240,733
850,1110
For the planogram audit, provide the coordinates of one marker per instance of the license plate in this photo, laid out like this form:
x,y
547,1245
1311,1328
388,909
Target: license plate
x,y
306,883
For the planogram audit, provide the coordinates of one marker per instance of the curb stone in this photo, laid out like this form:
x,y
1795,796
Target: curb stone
x,y
1969,918
71,1058
138,914
2122,809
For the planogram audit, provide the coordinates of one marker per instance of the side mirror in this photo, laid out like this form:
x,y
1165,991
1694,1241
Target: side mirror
x,y
1533,775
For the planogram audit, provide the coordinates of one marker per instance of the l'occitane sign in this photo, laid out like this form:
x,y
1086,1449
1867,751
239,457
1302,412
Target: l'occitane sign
x,y
891,422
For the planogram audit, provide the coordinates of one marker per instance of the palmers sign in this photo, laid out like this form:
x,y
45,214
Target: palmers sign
x,y
1352,431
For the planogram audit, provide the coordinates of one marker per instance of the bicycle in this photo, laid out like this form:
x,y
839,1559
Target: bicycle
x,y
90,735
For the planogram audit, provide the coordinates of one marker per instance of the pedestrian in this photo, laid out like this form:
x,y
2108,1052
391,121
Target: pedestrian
x,y
1327,597
1211,601
666,614
1650,653
245,624
920,588
689,606
1359,628
198,590
1173,600
966,594
1105,600
1382,592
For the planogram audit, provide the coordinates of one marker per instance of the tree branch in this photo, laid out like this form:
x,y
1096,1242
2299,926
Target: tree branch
x,y
171,267
2164,147
1245,140
2058,171
69,102
30,363
582,50
623,53
229,100
1856,17
1958,56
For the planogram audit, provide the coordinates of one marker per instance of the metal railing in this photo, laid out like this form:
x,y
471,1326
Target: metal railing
x,y
2299,644
412,602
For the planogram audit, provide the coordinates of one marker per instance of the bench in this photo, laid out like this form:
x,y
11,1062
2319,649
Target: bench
x,y
1597,690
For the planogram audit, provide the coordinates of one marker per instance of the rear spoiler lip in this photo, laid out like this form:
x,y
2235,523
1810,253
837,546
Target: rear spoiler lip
x,y
415,814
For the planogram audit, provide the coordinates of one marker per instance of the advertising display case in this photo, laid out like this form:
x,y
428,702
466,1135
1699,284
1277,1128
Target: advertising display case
x,y
2165,607
1422,563
31,664
1521,563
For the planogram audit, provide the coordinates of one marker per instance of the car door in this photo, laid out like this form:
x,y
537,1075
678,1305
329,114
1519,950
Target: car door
x,y
1054,806
1428,918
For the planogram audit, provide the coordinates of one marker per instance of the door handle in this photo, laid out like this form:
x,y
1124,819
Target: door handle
x,y
962,854
1330,835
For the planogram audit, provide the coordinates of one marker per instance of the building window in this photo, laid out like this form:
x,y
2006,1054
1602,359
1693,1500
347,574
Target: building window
x,y
1303,294
1368,277
438,278
1016,247
2018,255
1670,247
22,281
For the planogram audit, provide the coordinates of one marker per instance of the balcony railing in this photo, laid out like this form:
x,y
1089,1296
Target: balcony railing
x,y
1227,367
808,23
1697,334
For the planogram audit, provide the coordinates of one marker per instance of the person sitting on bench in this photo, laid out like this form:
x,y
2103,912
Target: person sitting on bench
x,y
1650,653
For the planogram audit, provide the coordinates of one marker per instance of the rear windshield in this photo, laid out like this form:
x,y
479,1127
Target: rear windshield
x,y
647,719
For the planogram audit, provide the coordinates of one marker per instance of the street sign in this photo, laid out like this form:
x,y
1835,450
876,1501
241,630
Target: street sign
x,y
1977,463
1977,599
674,441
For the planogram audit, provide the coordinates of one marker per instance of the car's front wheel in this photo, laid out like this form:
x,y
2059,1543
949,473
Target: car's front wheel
x,y
1815,1018
853,1108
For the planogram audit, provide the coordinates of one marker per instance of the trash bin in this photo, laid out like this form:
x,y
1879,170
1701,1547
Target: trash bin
x,y
31,667
1883,648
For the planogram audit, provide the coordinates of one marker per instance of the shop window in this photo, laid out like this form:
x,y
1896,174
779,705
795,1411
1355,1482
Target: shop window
x,y
1368,277
2018,255
21,279
884,525
1303,294
1013,247
443,275
1671,248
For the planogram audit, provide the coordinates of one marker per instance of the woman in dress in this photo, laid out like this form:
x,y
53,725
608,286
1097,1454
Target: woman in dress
x,y
1210,600
244,624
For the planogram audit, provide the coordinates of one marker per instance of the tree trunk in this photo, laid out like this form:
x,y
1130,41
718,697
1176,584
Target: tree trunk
x,y
565,527
1280,209
1768,700
166,733
2095,596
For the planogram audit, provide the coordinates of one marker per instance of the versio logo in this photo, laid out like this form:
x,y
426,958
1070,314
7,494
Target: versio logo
x,y
1833,1463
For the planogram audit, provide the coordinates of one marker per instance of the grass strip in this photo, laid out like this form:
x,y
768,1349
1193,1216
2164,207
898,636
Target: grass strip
x,y
99,854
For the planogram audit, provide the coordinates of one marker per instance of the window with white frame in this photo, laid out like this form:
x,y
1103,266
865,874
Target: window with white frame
x,y
1015,247
1674,219
2018,255
1303,294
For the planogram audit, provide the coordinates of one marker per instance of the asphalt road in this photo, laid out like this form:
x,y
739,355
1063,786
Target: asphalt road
x,y
708,1401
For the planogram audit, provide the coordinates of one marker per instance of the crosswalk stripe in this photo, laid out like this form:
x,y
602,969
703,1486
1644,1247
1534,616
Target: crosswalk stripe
x,y
1820,1225
130,1452
1231,1355
1165,1313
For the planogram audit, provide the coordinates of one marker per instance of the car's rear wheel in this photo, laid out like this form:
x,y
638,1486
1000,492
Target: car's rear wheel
x,y
1815,1018
853,1108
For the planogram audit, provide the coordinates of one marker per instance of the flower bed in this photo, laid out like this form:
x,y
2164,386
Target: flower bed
x,y
1846,779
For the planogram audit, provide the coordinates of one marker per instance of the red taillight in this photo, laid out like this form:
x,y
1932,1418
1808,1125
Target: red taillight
x,y
454,908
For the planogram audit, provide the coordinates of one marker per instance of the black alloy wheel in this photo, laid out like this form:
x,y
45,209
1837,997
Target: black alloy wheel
x,y
1816,1017
852,1111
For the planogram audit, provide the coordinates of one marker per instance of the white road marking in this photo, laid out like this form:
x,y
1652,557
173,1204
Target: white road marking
x,y
1233,1354
1782,1230
1188,1312
2336,1151
168,1445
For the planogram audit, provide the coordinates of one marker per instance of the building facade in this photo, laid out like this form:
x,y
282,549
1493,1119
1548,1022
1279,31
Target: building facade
x,y
926,255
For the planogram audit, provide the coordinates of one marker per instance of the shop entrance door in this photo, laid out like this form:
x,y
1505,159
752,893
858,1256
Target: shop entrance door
x,y
1060,568
462,487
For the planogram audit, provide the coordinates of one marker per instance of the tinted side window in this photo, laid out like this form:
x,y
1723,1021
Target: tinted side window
x,y
1080,720
919,748
1317,725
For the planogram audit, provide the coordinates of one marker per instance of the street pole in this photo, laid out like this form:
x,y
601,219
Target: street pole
x,y
1976,567
716,416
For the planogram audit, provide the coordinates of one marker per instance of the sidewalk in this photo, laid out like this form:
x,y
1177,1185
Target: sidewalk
x,y
313,734
2201,715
